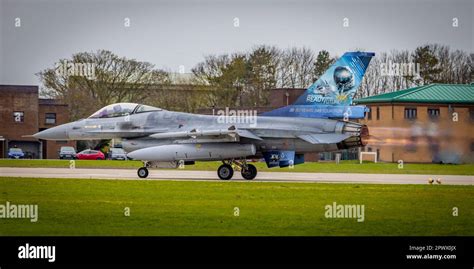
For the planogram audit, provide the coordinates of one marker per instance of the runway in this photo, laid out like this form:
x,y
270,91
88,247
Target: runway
x,y
155,174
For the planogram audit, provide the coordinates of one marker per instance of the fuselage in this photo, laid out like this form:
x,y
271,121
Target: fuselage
x,y
277,133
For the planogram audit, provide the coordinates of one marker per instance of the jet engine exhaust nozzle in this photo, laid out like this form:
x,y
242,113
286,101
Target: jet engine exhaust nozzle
x,y
359,136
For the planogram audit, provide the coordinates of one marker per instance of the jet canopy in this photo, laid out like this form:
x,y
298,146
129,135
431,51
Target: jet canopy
x,y
122,109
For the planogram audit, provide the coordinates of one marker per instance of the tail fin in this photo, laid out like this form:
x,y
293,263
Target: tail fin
x,y
331,95
340,82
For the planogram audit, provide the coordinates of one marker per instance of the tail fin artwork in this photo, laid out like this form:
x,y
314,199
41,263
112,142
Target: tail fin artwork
x,y
331,95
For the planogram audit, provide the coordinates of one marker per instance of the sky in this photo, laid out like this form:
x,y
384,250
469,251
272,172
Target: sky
x,y
178,33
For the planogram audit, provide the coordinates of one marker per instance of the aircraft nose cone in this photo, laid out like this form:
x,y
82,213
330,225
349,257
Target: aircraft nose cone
x,y
54,133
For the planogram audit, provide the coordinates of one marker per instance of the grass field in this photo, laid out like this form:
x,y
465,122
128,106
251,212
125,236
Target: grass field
x,y
96,207
316,167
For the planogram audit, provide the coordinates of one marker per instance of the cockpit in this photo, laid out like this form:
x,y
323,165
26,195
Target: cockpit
x,y
122,109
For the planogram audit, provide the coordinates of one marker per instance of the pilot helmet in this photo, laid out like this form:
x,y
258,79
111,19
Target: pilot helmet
x,y
344,78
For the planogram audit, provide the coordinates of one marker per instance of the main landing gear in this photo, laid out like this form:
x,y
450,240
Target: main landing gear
x,y
226,170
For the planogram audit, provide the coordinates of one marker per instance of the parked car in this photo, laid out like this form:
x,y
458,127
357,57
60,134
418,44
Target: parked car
x,y
117,154
16,153
90,154
67,153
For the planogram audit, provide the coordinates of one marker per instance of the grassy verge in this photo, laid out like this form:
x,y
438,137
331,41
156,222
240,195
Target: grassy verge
x,y
315,167
96,207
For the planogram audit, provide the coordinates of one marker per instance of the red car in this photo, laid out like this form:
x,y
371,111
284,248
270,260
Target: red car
x,y
90,154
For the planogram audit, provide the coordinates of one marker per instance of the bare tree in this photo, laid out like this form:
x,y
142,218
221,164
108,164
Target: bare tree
x,y
296,68
117,79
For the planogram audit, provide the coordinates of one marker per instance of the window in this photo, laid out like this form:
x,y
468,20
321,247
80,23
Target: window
x,y
50,118
378,113
145,108
19,116
114,110
410,113
433,113
369,114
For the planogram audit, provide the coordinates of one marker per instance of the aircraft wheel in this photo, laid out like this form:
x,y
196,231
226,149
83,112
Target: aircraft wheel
x,y
225,172
249,173
142,172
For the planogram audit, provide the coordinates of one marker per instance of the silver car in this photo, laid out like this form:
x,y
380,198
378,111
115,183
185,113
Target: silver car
x,y
67,153
117,154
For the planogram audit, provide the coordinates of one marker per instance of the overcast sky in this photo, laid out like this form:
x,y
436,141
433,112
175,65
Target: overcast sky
x,y
171,33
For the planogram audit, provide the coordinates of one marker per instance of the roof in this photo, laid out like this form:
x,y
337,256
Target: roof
x,y
19,88
50,102
432,93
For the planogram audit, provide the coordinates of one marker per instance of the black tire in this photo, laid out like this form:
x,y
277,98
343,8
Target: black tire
x,y
225,172
249,173
142,172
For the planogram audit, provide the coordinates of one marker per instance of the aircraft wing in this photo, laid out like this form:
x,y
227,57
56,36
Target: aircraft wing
x,y
328,138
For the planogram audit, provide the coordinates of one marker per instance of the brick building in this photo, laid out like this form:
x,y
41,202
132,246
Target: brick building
x,y
22,114
431,123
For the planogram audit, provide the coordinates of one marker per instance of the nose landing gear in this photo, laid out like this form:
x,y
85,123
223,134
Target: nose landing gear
x,y
142,172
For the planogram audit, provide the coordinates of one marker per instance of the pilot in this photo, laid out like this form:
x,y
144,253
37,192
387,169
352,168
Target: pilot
x,y
117,109
103,113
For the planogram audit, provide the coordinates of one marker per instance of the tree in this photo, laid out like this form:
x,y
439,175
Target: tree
x,y
226,75
240,79
262,74
429,69
116,79
322,63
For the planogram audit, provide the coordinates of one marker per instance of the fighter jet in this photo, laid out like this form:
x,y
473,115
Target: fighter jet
x,y
316,122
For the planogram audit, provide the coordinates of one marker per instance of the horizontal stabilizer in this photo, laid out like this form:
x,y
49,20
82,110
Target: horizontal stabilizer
x,y
323,138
